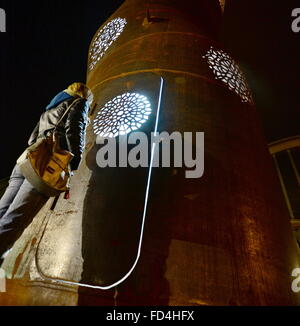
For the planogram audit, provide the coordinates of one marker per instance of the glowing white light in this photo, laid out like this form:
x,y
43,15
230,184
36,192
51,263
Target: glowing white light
x,y
227,70
121,115
104,39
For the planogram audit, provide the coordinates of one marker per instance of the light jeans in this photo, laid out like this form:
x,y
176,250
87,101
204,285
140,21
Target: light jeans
x,y
18,206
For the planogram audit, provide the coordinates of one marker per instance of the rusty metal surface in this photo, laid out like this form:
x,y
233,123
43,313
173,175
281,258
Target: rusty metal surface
x,y
234,218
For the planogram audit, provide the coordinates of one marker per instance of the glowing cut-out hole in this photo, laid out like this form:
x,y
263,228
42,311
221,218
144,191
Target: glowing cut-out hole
x,y
104,39
121,115
228,71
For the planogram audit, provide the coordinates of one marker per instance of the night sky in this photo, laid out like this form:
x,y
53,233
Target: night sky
x,y
46,45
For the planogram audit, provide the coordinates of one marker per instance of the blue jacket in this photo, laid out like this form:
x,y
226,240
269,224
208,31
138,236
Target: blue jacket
x,y
59,98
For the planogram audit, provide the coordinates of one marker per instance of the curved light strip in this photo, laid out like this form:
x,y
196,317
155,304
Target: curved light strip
x,y
121,115
143,221
104,39
228,71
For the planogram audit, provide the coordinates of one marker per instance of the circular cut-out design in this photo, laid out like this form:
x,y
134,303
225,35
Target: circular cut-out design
x,y
104,39
121,115
227,70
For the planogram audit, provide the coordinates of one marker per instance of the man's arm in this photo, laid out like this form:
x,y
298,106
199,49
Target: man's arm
x,y
75,128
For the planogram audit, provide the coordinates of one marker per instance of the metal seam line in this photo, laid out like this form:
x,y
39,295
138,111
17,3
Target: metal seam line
x,y
159,71
145,36
294,166
287,200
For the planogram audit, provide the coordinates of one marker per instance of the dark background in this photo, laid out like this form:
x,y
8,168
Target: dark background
x,y
46,47
259,34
